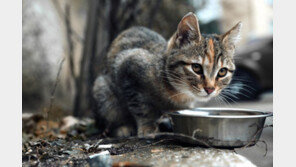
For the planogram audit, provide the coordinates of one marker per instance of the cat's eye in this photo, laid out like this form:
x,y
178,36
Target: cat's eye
x,y
197,68
222,72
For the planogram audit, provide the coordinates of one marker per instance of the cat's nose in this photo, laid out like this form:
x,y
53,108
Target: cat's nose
x,y
209,90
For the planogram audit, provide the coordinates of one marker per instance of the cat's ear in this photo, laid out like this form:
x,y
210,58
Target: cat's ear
x,y
231,38
188,31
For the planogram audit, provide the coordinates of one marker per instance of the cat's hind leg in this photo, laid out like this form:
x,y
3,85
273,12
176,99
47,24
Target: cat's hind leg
x,y
110,115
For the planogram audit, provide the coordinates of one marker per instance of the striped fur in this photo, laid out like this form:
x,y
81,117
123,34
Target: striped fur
x,y
148,76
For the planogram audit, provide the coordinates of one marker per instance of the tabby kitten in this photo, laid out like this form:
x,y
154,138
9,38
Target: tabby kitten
x,y
148,76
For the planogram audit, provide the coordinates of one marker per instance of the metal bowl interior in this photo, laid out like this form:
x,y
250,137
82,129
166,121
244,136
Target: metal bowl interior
x,y
222,113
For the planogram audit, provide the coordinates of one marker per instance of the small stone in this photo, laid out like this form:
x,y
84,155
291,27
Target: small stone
x,y
105,146
156,150
102,159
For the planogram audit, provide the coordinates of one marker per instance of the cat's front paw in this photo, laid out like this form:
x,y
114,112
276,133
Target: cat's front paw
x,y
124,131
144,130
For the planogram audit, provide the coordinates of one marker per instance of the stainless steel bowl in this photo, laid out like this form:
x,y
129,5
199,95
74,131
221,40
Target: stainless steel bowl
x,y
221,127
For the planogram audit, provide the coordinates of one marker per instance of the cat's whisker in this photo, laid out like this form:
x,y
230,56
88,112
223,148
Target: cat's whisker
x,y
177,94
228,97
217,100
232,98
240,93
245,86
225,100
180,79
230,91
177,81
175,77
195,88
237,79
229,94
222,101
237,88
241,90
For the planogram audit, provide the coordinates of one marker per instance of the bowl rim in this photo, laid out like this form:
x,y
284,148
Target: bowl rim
x,y
261,115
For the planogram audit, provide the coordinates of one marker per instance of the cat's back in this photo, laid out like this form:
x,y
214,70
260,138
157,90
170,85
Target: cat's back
x,y
137,37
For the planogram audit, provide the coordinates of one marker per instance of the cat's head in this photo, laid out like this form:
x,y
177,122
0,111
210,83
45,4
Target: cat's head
x,y
200,66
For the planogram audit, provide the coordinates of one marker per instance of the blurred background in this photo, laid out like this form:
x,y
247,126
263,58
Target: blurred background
x,y
65,43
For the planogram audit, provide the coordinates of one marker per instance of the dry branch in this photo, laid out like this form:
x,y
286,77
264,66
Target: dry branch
x,y
253,141
70,42
53,92
62,16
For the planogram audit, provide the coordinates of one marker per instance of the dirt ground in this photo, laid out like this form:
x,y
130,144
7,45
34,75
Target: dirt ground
x,y
75,143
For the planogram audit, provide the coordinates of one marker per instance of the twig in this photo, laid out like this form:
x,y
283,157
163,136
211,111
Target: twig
x,y
154,143
53,92
83,98
162,136
265,147
253,141
266,150
62,15
70,42
67,161
254,137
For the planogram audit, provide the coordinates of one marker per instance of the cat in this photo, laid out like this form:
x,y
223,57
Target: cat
x,y
148,76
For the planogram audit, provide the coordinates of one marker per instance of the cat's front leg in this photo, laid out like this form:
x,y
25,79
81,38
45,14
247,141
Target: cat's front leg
x,y
141,108
145,118
146,126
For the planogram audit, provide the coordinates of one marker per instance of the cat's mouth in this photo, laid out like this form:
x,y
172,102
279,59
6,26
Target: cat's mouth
x,y
204,97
